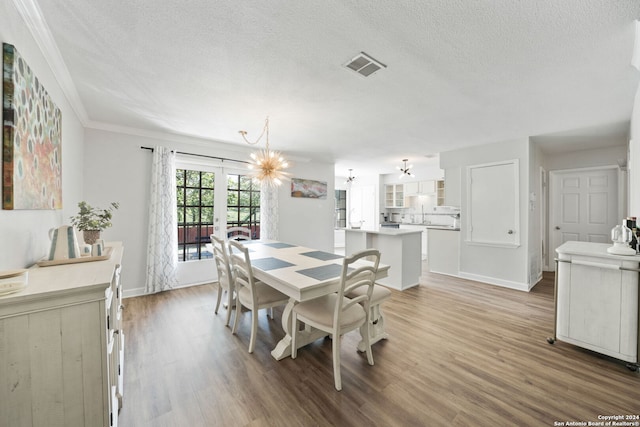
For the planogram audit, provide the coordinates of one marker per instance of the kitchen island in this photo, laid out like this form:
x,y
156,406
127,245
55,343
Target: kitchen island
x,y
400,249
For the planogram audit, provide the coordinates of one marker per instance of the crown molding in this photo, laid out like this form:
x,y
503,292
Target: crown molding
x,y
32,16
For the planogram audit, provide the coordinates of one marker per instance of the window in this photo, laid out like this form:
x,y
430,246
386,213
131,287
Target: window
x,y
195,202
243,203
198,210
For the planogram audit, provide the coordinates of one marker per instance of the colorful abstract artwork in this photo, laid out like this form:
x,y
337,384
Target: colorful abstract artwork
x,y
308,188
31,139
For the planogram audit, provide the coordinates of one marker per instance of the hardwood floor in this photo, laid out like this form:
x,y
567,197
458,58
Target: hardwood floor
x,y
459,353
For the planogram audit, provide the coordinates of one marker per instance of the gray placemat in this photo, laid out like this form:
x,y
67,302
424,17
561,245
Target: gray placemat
x,y
280,245
323,272
270,263
321,255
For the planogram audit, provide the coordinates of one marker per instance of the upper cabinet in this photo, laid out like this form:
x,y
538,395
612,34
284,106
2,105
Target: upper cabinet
x,y
418,188
394,195
440,192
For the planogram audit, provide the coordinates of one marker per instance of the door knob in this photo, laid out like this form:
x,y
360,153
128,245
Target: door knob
x,y
510,232
557,228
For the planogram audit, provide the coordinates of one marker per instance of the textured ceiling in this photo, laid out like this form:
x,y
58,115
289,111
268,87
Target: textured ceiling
x,y
458,72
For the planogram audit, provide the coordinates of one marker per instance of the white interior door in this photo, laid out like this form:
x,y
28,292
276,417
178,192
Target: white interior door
x,y
583,205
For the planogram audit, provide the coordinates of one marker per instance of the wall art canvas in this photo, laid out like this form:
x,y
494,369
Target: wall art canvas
x,y
308,188
31,138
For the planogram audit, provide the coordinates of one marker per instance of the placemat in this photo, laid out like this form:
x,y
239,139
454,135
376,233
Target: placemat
x,y
270,263
321,255
279,245
323,272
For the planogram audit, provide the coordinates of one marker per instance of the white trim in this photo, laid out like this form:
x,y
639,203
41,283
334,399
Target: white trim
x,y
498,282
468,217
35,22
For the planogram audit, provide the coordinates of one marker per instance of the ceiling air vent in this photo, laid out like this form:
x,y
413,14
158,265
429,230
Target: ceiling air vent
x,y
364,65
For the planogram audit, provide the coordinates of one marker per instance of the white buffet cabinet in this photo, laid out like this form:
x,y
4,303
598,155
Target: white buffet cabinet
x,y
62,346
399,249
597,299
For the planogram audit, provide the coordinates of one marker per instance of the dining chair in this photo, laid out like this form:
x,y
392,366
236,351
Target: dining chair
x,y
375,327
335,313
239,233
250,292
225,274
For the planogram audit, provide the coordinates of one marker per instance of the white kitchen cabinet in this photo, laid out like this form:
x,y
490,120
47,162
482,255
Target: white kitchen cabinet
x,y
443,250
61,346
394,195
440,193
419,188
597,300
422,228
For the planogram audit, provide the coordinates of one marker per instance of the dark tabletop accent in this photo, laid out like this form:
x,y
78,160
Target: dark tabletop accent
x,y
321,255
279,245
323,272
270,263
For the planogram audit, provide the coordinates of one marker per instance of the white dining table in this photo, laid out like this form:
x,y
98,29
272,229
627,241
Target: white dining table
x,y
302,274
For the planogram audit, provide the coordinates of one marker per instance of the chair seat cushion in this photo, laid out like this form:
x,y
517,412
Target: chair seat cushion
x,y
320,311
380,293
265,294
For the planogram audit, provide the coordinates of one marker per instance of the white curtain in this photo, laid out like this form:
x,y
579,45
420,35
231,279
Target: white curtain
x,y
162,251
269,212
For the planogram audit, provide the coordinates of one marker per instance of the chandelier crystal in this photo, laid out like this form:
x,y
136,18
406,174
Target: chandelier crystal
x,y
267,166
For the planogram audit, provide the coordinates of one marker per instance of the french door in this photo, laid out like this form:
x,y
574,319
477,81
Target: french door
x,y
210,199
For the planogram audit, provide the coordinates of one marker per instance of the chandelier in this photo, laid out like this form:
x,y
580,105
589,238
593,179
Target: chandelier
x,y
406,169
351,178
267,166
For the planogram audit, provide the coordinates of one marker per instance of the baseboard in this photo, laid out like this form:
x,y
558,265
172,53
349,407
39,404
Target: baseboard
x,y
138,292
498,282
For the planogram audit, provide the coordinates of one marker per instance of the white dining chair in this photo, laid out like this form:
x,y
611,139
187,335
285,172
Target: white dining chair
x,y
225,274
337,314
250,292
375,327
239,233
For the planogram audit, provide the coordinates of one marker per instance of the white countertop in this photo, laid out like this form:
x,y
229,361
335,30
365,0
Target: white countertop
x,y
385,230
592,249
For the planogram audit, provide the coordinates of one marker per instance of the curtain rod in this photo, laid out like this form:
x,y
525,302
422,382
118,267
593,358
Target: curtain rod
x,y
201,155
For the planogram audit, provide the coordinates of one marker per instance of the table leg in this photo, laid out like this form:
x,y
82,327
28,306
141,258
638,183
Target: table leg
x,y
306,336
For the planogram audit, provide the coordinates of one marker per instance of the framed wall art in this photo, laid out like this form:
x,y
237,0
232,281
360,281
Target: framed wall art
x,y
308,188
31,138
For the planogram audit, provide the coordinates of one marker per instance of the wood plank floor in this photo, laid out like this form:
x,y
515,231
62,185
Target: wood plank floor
x,y
459,353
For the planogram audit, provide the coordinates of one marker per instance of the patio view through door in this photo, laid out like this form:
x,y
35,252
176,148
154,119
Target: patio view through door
x,y
210,199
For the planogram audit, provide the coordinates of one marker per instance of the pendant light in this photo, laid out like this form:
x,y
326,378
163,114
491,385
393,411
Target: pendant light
x,y
406,169
267,165
351,178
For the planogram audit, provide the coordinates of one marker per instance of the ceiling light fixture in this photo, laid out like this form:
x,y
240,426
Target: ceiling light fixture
x,y
405,169
267,166
351,178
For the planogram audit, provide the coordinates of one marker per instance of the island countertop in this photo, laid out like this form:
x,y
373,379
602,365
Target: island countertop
x,y
389,231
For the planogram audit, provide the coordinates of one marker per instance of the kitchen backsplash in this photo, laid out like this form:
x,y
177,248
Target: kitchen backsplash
x,y
438,215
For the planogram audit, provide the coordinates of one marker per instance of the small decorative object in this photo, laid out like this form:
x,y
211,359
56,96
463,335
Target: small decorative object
x,y
308,188
32,138
64,243
406,170
91,221
267,165
621,236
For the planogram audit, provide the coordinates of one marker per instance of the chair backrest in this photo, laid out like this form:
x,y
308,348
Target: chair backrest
x,y
239,233
353,278
223,262
241,264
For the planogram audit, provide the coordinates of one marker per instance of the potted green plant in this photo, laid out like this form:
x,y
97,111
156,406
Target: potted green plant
x,y
91,221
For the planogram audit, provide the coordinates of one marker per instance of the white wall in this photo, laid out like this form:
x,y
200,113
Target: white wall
x,y
586,158
117,169
634,159
501,266
24,233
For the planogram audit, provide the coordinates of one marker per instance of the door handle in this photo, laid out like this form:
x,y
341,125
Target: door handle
x,y
510,232
557,228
